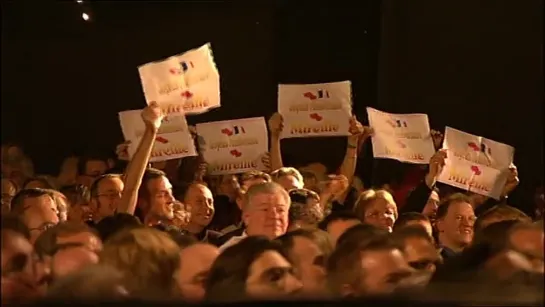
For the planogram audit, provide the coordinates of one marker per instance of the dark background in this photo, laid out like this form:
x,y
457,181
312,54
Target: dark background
x,y
472,65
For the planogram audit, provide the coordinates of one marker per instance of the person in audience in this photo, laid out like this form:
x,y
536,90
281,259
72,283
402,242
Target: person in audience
x,y
361,234
251,178
528,240
226,190
414,219
148,260
19,280
255,268
500,213
41,182
305,210
201,203
61,203
105,195
309,250
455,222
90,168
68,172
196,259
375,268
265,212
155,199
37,209
418,248
111,225
288,177
79,209
377,207
9,190
337,223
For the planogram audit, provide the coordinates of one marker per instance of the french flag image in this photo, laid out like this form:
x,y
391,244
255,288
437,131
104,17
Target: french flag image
x,y
319,94
238,130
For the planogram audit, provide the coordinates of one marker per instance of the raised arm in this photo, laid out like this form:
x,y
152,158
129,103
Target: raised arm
x,y
152,116
275,129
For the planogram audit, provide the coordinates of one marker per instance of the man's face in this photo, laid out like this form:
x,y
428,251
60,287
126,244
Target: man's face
x,y
422,223
456,227
266,214
309,262
420,254
431,206
336,228
195,264
529,242
161,201
39,215
108,196
84,239
18,267
228,185
8,192
200,203
93,169
383,272
71,260
289,182
271,276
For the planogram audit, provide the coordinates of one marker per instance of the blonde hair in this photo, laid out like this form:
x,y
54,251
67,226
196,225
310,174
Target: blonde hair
x,y
287,171
148,259
60,201
368,197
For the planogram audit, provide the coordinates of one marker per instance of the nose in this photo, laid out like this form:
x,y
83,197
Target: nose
x,y
293,284
170,198
273,213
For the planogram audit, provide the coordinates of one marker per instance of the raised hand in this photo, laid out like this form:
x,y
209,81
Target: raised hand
x,y
276,124
153,116
437,138
122,151
512,180
336,185
356,128
266,160
437,162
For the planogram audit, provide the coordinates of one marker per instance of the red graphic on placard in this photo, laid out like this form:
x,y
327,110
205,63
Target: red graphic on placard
x,y
316,117
175,71
235,153
473,146
310,96
161,139
476,170
227,132
187,94
391,123
401,144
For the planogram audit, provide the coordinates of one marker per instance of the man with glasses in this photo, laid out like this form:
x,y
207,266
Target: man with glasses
x,y
105,195
36,209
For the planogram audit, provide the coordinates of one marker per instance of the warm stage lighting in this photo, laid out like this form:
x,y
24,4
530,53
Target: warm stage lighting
x,y
79,1
85,16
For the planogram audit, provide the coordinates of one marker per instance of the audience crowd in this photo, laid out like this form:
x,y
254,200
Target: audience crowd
x,y
103,229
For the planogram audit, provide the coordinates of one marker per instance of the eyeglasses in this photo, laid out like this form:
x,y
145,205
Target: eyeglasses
x,y
110,195
43,227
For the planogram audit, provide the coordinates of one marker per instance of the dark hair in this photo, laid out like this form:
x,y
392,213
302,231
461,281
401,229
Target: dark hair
x,y
360,234
44,180
82,162
506,211
319,237
408,232
407,217
93,191
227,278
46,244
149,174
445,204
13,223
112,224
181,237
337,216
252,175
17,203
495,235
76,193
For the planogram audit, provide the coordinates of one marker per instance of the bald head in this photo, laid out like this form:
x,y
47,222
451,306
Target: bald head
x,y
71,260
264,188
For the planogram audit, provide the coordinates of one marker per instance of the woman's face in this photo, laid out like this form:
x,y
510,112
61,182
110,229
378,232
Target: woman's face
x,y
271,276
381,213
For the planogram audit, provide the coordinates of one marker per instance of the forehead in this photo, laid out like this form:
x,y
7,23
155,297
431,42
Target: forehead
x,y
265,198
198,257
418,245
268,260
96,164
380,203
198,190
305,247
37,202
159,184
110,183
382,260
460,207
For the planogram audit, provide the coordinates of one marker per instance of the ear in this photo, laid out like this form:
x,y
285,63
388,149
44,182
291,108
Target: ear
x,y
245,218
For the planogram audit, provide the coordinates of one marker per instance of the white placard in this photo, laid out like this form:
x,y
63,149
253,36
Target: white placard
x,y
188,82
173,139
233,146
402,137
475,163
311,110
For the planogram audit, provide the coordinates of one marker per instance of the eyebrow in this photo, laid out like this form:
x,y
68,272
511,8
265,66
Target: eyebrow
x,y
282,270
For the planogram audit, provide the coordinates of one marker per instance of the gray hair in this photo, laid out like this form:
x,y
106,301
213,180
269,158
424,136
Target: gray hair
x,y
264,188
